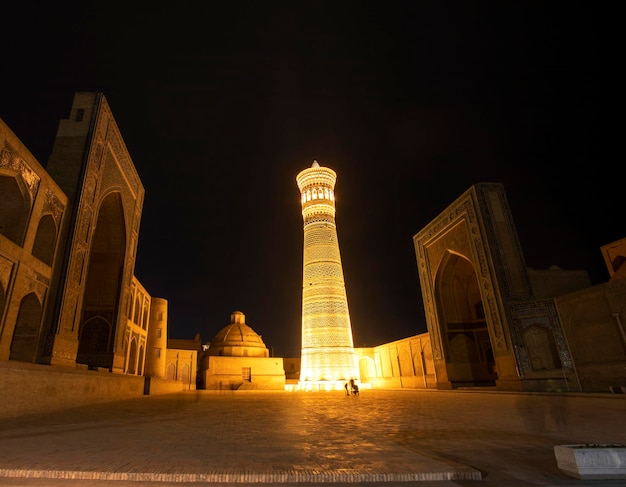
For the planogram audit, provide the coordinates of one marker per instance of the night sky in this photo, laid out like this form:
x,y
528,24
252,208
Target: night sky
x,y
222,104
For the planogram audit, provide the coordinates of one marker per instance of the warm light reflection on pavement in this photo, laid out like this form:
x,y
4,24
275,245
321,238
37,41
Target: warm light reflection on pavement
x,y
507,436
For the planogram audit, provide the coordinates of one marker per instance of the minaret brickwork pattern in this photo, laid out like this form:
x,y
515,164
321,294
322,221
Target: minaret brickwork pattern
x,y
327,344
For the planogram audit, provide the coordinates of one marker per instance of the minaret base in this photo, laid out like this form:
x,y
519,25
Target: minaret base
x,y
322,386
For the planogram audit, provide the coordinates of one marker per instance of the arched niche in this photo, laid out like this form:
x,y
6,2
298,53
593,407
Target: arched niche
x,y
24,341
45,240
15,208
104,281
465,337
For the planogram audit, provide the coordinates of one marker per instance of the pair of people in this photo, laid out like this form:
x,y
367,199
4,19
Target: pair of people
x,y
353,386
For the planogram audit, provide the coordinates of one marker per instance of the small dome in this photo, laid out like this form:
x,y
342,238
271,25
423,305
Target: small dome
x,y
238,339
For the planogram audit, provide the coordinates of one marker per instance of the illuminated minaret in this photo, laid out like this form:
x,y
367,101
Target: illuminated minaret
x,y
327,347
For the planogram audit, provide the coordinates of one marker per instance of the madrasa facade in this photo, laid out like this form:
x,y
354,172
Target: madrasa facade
x,y
72,312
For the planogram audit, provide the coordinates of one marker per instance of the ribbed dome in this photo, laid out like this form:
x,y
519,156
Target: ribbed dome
x,y
237,339
237,334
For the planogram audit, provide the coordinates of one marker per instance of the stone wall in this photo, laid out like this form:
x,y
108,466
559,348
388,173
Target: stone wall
x,y
406,363
594,327
32,388
155,386
224,373
32,211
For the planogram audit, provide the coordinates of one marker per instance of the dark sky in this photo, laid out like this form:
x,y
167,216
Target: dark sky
x,y
221,104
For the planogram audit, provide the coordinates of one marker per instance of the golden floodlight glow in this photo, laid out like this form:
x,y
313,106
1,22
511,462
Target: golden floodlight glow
x,y
328,359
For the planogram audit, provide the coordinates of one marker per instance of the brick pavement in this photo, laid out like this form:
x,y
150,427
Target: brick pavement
x,y
401,437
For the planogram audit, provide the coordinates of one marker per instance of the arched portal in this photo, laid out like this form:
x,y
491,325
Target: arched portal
x,y
464,334
104,276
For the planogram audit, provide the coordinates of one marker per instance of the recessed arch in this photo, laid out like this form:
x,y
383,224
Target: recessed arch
x,y
45,240
137,310
104,279
140,361
3,300
144,317
132,357
24,341
129,305
15,208
463,328
186,374
367,369
170,372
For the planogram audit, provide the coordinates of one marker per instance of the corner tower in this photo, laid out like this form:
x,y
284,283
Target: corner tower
x,y
327,359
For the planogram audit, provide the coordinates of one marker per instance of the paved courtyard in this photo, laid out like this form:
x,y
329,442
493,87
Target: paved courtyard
x,y
395,438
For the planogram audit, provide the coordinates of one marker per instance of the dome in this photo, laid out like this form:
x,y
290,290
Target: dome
x,y
238,339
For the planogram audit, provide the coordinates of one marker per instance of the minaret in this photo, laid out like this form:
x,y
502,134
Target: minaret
x,y
328,359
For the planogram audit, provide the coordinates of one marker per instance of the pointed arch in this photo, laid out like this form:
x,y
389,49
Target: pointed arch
x,y
140,361
171,371
129,305
24,341
132,357
185,374
137,310
104,281
144,317
125,348
3,300
464,333
45,240
15,208
367,369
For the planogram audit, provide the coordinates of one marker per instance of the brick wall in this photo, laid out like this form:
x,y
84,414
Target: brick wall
x,y
31,388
